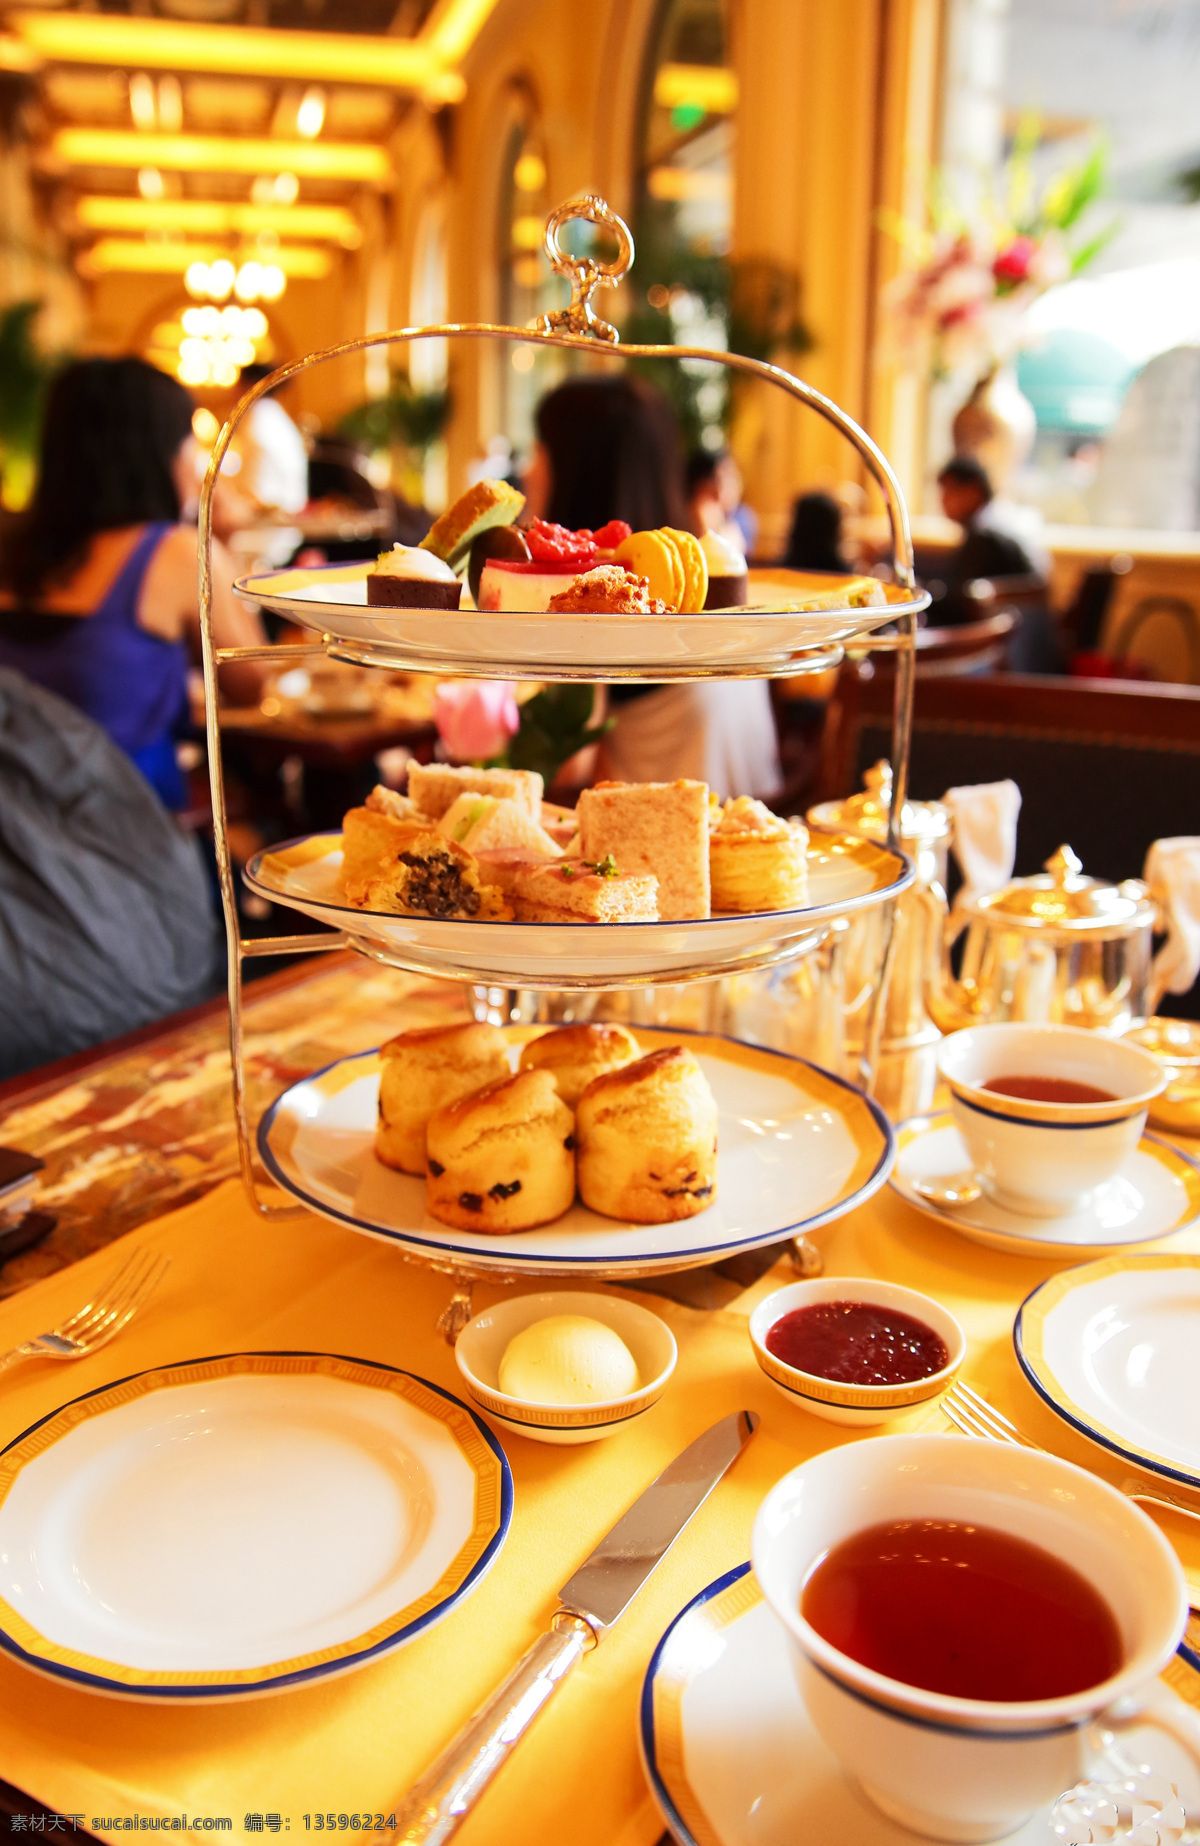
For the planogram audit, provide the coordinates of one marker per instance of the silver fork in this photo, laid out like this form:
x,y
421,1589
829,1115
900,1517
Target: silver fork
x,y
972,1415
99,1320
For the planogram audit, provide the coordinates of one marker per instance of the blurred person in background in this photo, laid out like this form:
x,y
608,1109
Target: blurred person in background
x,y
714,489
815,541
274,456
990,547
98,578
106,914
609,448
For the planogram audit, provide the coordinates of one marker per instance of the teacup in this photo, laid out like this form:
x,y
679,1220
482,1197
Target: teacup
x,y
955,1768
1045,1158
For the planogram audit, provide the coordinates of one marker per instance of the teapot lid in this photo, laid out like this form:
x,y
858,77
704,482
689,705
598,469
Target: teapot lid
x,y
1061,898
866,814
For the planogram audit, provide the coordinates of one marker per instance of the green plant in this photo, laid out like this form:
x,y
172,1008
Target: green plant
x,y
555,723
404,418
25,374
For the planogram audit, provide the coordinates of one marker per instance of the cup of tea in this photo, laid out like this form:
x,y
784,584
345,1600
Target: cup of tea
x,y
959,1612
1047,1112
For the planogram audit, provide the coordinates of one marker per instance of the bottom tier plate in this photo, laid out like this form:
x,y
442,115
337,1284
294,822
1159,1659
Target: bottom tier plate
x,y
798,1147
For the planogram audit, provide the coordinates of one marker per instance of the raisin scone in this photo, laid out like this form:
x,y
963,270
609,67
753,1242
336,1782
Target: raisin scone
x,y
504,1158
423,1071
647,1140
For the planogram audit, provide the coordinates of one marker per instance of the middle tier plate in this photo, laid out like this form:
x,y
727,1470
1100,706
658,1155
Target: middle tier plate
x,y
797,1148
844,875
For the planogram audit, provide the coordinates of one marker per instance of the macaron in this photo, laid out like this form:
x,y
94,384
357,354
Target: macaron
x,y
695,569
655,556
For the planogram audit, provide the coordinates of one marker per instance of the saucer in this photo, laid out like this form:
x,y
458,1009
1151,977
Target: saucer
x,y
1155,1192
1111,1348
733,1760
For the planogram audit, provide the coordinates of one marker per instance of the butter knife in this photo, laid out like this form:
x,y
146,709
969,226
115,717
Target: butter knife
x,y
593,1599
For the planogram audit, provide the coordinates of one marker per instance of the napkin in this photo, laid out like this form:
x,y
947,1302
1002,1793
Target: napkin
x,y
985,834
1172,871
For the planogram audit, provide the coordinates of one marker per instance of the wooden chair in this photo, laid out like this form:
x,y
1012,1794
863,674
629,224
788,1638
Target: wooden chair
x,y
1105,765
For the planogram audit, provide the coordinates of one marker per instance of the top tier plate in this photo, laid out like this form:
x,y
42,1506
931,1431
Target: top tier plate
x,y
766,638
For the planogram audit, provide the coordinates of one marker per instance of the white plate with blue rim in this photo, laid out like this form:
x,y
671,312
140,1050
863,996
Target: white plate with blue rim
x,y
797,1147
732,1757
1112,1347
233,1526
761,637
1155,1193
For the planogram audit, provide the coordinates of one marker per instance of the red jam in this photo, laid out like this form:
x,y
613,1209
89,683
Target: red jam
x,y
856,1342
551,544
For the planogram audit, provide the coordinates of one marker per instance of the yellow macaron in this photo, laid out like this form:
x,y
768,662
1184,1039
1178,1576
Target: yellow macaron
x,y
655,556
695,569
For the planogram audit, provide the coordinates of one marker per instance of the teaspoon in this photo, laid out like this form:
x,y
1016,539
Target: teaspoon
x,y
950,1189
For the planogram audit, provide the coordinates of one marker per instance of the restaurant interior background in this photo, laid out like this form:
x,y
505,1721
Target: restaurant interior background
x,y
393,164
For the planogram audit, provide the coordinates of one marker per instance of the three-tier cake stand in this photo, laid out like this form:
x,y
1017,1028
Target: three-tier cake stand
x,y
764,640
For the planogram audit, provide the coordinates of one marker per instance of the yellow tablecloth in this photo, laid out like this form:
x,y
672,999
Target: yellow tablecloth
x,y
354,1744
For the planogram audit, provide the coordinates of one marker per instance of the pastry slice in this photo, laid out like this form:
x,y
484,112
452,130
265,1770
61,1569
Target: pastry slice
x,y
486,504
658,828
409,869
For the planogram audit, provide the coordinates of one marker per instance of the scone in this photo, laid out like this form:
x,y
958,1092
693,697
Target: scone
x,y
756,861
647,1140
423,1071
503,1159
574,1055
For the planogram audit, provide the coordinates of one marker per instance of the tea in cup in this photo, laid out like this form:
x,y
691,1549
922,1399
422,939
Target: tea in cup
x,y
961,1703
1049,1112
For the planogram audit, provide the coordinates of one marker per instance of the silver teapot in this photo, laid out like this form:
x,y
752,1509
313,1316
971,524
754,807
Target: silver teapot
x,y
1057,947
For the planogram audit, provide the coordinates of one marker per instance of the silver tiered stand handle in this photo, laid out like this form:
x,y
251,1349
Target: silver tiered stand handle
x,y
577,328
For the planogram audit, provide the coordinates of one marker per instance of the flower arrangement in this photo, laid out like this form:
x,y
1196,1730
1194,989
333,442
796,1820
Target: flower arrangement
x,y
976,270
480,721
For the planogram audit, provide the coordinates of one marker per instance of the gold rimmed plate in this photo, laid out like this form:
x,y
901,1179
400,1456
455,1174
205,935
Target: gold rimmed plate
x,y
761,638
1112,1348
845,875
238,1525
797,1148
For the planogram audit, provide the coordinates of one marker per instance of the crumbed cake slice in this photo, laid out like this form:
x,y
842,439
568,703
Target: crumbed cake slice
x,y
609,589
652,827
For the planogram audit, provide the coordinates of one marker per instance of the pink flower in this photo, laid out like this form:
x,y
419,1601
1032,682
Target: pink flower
x,y
1013,264
475,718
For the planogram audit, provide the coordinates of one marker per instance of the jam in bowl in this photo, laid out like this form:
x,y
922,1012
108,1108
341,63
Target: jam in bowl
x,y
855,1350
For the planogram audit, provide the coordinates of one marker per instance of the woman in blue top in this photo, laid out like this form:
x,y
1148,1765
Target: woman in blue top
x,y
98,590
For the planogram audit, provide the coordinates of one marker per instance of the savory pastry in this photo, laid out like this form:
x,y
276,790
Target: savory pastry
x,y
574,1055
483,823
408,578
756,860
647,1140
850,593
384,800
728,578
570,890
488,503
652,827
436,786
609,589
423,1071
567,1359
504,1158
409,869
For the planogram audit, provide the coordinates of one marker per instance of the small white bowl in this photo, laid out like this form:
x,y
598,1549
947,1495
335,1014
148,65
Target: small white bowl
x,y
1044,1158
856,1405
482,1343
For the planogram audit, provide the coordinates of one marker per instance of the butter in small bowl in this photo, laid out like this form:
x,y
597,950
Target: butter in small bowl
x,y
566,1367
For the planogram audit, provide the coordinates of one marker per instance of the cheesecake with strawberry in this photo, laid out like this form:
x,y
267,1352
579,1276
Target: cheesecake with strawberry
x,y
554,558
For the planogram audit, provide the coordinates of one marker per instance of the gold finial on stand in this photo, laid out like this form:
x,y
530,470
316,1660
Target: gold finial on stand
x,y
585,273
